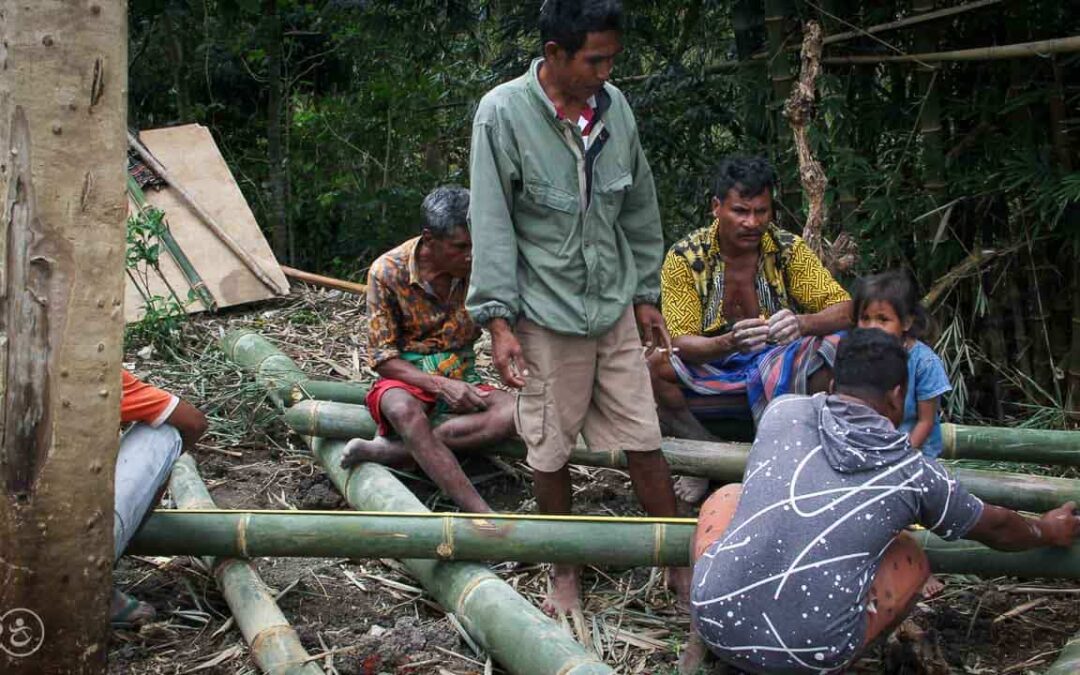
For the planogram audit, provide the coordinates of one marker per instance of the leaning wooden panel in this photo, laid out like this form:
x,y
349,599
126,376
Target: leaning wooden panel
x,y
193,160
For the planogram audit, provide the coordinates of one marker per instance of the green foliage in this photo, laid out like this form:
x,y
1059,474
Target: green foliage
x,y
162,315
378,98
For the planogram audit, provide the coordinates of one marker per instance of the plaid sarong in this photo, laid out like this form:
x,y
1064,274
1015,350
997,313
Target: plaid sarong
x,y
760,376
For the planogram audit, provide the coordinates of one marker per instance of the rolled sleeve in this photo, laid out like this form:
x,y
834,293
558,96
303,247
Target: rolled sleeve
x,y
681,305
640,222
383,328
493,290
810,284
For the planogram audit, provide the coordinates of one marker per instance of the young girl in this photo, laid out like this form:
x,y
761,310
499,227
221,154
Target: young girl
x,y
889,302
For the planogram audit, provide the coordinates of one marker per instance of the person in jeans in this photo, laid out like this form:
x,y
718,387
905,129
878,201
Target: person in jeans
x,y
164,425
565,274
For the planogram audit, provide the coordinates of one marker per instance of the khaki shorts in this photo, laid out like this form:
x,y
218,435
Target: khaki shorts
x,y
597,387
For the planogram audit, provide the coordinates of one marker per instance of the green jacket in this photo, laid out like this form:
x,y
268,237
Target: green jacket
x,y
565,237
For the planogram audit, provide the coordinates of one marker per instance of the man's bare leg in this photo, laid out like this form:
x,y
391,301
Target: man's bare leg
x,y
460,433
677,420
553,497
651,478
408,417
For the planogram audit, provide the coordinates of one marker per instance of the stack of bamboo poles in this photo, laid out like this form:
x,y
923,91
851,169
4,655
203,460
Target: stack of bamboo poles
x,y
488,608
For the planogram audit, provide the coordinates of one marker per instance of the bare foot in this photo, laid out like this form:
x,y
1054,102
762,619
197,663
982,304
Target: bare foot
x,y
563,601
379,450
691,489
693,655
932,587
125,610
678,580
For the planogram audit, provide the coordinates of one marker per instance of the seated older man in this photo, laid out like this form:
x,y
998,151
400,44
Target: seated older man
x,y
420,342
751,310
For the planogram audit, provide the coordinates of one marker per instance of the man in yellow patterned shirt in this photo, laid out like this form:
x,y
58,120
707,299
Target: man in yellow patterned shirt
x,y
752,312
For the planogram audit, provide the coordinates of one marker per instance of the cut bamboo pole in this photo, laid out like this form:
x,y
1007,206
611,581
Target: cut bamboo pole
x,y
251,263
995,53
274,644
324,282
489,609
637,542
324,390
183,263
1038,446
1068,661
596,540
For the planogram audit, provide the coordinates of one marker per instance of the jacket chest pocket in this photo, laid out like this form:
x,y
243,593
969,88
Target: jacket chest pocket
x,y
613,191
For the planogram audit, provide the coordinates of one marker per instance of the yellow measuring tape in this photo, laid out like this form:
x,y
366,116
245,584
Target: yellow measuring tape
x,y
644,520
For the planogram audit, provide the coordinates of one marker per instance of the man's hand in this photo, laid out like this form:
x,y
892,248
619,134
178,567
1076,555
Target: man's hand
x,y
1061,526
750,335
784,327
462,397
506,354
652,328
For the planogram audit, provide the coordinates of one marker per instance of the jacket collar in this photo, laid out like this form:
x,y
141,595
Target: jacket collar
x,y
540,97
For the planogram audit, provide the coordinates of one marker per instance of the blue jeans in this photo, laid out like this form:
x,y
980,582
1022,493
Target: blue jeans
x,y
143,465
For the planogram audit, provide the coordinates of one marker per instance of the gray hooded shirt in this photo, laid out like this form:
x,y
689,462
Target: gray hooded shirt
x,y
828,484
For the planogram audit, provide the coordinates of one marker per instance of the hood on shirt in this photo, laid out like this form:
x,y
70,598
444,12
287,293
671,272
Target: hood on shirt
x,y
856,438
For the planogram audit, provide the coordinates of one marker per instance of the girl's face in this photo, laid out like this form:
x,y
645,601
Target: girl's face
x,y
882,315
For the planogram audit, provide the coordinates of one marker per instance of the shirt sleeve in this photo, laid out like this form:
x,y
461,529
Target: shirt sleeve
x,y
680,303
383,321
140,402
946,508
809,284
493,290
931,380
640,222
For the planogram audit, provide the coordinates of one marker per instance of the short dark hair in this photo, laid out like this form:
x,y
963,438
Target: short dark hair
x,y
446,208
749,175
897,288
568,23
869,360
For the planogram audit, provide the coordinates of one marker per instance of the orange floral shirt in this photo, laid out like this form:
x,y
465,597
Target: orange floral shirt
x,y
405,315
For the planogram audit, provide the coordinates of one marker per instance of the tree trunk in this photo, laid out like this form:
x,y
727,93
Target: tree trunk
x,y
930,129
275,141
62,127
777,26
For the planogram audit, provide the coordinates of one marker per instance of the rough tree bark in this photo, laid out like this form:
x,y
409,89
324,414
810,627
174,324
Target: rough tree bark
x,y
63,103
800,109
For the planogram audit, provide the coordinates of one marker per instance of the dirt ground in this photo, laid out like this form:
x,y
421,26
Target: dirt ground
x,y
370,617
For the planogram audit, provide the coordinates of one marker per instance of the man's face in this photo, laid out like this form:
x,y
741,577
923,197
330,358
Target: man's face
x,y
584,74
452,253
741,221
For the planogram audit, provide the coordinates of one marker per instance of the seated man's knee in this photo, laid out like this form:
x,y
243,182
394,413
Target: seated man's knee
x,y
405,413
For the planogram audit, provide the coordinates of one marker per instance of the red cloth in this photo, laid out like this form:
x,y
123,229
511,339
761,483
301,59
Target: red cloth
x,y
383,385
141,402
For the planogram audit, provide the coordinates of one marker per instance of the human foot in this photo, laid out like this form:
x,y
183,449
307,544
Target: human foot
x,y
379,450
563,600
693,655
125,610
691,489
932,587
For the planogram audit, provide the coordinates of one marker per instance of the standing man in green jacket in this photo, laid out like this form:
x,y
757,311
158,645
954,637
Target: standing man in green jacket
x,y
566,262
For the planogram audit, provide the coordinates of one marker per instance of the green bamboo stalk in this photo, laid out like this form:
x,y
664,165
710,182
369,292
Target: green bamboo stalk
x,y
488,608
347,534
596,540
275,646
1068,660
998,444
191,275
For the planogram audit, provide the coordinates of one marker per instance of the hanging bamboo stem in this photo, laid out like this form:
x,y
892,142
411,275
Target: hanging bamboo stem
x,y
274,644
251,263
1014,51
909,21
930,126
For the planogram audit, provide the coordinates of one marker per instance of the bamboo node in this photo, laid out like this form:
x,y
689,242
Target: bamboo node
x,y
241,534
445,549
660,531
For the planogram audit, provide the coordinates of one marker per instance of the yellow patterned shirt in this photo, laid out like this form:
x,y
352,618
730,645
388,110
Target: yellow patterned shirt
x,y
789,276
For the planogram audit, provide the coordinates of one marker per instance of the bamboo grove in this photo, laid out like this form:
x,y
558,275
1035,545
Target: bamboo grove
x,y
947,138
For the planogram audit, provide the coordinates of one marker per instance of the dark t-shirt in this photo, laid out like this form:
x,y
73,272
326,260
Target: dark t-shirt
x,y
828,484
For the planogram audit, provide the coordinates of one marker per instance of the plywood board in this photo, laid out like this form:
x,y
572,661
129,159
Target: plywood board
x,y
192,158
